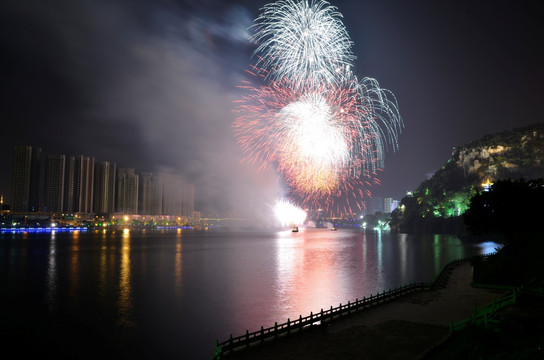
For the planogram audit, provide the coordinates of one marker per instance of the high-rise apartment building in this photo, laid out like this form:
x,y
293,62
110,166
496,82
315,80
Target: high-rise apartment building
x,y
69,184
172,194
188,201
374,205
25,179
178,197
156,195
104,188
144,193
127,191
83,184
387,205
54,183
78,184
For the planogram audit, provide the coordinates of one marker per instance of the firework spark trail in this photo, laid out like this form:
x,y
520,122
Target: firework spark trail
x,y
324,130
297,37
322,140
311,133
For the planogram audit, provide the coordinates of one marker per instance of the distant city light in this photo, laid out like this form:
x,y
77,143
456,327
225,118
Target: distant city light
x,y
41,229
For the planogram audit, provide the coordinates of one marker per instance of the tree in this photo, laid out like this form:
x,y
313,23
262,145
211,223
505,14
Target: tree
x,y
513,209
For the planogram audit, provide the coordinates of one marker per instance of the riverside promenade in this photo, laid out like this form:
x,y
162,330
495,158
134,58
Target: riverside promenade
x,y
404,328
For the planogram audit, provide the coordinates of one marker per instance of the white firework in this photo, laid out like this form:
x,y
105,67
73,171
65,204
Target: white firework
x,y
312,118
303,37
289,214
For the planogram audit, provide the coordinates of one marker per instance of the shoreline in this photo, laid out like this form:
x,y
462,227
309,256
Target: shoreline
x,y
407,327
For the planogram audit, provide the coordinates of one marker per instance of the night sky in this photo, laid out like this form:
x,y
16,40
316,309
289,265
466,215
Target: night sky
x,y
151,84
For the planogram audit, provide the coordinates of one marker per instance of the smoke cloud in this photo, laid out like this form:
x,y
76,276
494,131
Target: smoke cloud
x,y
148,85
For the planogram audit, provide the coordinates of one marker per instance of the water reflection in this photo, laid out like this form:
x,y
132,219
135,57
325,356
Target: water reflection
x,y
74,266
489,247
179,265
289,260
379,253
316,268
403,248
51,281
437,247
125,286
313,270
160,285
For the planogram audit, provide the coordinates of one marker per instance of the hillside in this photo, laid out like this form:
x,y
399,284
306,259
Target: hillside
x,y
437,203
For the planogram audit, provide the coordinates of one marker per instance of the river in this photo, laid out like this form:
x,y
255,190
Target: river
x,y
170,294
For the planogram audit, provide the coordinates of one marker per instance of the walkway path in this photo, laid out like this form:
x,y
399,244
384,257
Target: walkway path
x,y
404,328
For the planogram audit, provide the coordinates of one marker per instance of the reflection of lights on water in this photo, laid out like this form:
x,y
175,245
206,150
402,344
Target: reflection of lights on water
x,y
288,214
52,275
125,285
489,247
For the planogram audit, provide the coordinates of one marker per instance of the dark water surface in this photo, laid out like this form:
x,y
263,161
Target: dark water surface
x,y
171,294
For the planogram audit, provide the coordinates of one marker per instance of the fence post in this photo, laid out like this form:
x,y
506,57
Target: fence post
x,y
349,307
311,317
288,326
340,310
331,314
262,334
275,330
247,338
300,322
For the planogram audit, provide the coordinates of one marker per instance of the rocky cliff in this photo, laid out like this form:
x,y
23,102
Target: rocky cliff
x,y
437,203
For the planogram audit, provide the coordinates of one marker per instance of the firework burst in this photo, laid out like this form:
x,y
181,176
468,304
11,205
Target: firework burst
x,y
301,37
311,118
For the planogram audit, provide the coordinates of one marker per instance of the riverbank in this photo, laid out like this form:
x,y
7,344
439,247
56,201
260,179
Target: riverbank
x,y
405,328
